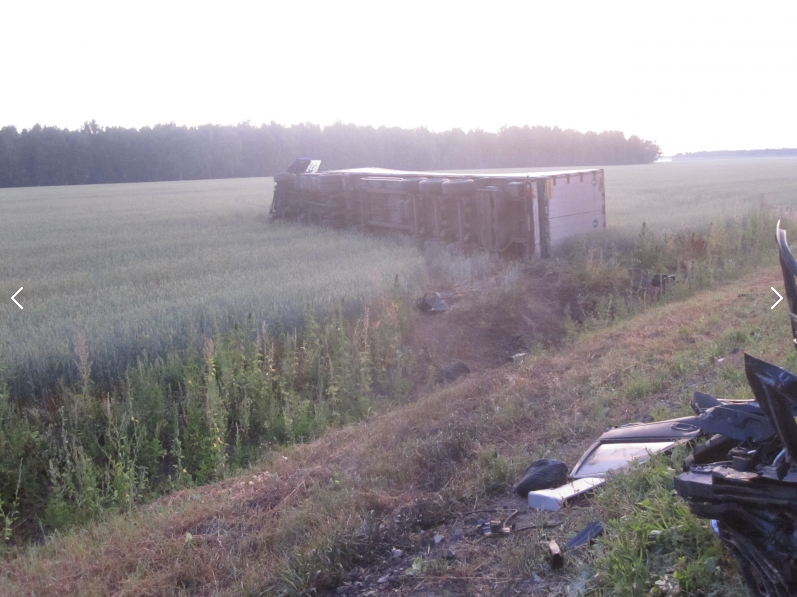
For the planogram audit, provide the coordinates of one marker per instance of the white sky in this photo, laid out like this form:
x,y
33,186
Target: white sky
x,y
692,75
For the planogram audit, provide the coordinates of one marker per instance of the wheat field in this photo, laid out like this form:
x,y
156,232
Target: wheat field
x,y
141,267
688,194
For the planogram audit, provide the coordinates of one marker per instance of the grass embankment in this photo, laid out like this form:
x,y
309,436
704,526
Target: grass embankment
x,y
307,515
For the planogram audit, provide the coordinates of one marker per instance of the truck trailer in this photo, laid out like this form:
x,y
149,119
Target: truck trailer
x,y
521,214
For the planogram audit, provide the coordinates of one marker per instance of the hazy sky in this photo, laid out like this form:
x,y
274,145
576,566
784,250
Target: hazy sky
x,y
693,75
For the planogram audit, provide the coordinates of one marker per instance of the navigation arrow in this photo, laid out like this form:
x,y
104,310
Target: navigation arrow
x,y
13,298
780,298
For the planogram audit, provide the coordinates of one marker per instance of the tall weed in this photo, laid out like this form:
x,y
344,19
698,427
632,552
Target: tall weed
x,y
611,276
192,417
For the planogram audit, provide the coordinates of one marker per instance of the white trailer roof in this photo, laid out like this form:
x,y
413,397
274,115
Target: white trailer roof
x,y
498,174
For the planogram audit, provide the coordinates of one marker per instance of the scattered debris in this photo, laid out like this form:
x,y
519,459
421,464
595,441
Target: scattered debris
x,y
492,528
518,358
541,474
620,446
432,302
552,499
547,525
615,449
585,536
452,371
557,559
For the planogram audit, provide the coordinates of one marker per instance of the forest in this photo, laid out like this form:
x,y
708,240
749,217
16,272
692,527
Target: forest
x,y
48,155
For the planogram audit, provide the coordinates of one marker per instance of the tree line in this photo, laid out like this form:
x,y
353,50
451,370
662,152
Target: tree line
x,y
737,153
48,155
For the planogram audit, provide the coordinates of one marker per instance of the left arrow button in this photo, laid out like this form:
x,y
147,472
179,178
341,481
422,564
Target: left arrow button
x,y
14,298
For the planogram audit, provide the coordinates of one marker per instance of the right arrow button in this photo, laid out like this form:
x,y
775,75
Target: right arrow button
x,y
780,298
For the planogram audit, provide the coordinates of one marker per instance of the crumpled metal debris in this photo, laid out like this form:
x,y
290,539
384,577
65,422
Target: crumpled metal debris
x,y
744,479
750,486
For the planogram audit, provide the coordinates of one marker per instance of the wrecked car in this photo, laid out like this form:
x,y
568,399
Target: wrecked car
x,y
744,478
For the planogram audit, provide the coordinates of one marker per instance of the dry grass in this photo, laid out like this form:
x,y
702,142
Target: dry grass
x,y
314,511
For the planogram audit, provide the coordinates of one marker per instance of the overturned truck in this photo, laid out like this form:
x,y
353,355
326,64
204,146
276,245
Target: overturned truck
x,y
523,214
744,478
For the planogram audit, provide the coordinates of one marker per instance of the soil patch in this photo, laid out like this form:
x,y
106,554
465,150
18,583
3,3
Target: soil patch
x,y
490,321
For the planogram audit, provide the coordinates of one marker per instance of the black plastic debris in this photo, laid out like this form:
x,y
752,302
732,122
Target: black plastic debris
x,y
745,421
546,473
585,535
701,402
432,302
452,372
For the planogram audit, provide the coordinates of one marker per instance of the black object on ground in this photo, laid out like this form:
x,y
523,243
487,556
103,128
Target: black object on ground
x,y
586,535
452,371
432,302
557,559
546,473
